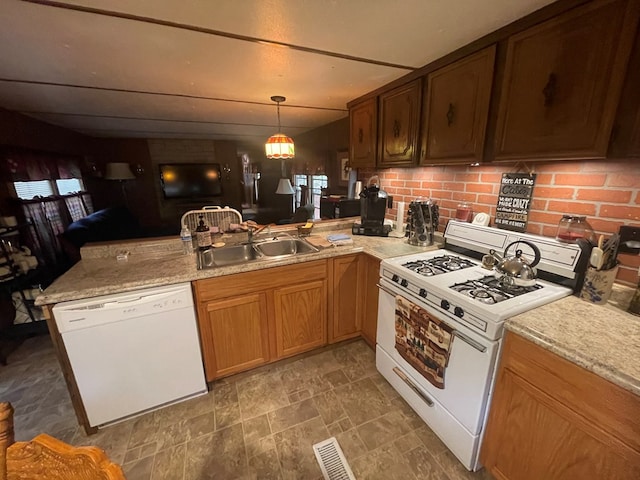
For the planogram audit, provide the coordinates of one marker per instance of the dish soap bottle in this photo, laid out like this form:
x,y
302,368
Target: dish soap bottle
x,y
187,241
203,235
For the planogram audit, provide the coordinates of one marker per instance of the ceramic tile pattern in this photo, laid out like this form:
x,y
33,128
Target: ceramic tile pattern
x,y
255,425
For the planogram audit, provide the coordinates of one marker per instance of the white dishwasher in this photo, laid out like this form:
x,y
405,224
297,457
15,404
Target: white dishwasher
x,y
132,352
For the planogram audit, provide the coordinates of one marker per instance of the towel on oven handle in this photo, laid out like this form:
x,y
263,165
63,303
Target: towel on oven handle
x,y
422,340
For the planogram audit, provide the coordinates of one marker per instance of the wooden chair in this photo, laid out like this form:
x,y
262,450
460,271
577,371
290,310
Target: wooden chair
x,y
47,458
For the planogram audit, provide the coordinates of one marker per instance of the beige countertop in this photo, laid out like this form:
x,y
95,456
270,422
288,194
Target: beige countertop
x,y
160,261
603,339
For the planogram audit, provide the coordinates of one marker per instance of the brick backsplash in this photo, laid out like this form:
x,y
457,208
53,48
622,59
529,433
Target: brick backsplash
x,y
607,192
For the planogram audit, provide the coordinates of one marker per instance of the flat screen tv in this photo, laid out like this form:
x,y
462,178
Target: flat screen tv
x,y
190,180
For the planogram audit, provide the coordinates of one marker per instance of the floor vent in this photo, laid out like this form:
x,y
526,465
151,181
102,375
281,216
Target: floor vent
x,y
332,462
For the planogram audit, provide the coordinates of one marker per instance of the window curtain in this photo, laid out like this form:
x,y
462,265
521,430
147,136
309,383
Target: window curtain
x,y
50,216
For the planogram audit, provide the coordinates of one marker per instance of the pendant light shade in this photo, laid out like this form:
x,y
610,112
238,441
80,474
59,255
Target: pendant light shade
x,y
279,146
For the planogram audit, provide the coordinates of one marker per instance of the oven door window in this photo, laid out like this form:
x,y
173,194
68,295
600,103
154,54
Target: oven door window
x,y
422,340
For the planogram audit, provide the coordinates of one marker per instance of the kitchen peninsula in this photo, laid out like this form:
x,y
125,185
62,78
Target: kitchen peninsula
x,y
605,347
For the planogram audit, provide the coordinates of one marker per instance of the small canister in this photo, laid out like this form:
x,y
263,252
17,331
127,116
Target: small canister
x,y
464,212
573,227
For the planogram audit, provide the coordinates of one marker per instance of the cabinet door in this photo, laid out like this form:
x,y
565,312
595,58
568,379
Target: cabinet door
x,y
455,110
363,122
399,118
346,299
562,83
370,314
625,141
300,317
537,438
234,334
551,419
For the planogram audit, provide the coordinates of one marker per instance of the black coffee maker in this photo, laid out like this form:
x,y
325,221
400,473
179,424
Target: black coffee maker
x,y
373,206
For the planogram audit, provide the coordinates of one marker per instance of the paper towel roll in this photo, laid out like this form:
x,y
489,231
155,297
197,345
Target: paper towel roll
x,y
400,217
357,189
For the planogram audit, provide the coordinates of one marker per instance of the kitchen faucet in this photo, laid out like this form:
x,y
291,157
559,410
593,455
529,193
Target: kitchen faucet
x,y
254,229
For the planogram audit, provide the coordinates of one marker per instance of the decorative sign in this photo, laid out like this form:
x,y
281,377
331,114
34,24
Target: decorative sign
x,y
514,200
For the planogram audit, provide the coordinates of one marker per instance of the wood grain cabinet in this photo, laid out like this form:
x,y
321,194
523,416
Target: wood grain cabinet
x,y
236,332
249,319
300,317
370,291
363,124
625,139
552,419
346,299
399,125
455,110
562,83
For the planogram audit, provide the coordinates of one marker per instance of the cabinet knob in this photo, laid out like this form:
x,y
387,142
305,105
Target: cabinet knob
x,y
396,128
450,114
549,90
360,135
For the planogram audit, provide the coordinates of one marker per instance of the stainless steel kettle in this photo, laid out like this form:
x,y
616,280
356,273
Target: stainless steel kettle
x,y
516,270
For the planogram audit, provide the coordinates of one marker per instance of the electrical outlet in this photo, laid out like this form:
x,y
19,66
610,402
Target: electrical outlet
x,y
629,239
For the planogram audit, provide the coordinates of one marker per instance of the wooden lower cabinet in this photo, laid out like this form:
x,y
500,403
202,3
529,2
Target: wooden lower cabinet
x,y
300,317
552,419
236,330
346,299
249,319
370,293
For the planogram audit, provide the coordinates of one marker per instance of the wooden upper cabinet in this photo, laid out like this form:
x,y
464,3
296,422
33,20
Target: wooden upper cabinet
x,y
363,124
398,126
562,83
625,139
455,110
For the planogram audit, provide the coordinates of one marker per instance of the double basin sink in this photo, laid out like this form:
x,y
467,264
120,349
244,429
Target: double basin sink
x,y
249,252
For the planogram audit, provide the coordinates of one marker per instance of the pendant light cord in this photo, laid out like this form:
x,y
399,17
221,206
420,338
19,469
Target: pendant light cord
x,y
279,127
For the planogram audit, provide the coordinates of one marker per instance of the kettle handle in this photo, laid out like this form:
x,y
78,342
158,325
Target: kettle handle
x,y
535,249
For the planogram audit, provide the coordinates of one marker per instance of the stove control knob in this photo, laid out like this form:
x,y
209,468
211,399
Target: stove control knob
x,y
394,278
423,293
458,312
444,304
404,283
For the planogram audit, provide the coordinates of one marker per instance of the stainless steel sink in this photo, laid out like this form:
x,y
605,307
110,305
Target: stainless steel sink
x,y
249,252
232,255
284,247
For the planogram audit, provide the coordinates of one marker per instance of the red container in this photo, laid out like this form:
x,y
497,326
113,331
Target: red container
x,y
464,213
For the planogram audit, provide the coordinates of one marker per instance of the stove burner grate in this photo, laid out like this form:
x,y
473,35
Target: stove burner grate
x,y
437,265
490,290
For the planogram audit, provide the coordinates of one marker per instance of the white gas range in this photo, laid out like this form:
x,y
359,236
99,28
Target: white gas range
x,y
440,324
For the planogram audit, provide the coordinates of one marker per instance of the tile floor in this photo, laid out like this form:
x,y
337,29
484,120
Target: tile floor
x,y
255,425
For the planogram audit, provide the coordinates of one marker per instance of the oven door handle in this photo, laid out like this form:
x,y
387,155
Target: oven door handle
x,y
386,290
410,384
478,346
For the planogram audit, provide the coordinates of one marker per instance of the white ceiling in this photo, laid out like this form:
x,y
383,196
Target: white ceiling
x,y
116,68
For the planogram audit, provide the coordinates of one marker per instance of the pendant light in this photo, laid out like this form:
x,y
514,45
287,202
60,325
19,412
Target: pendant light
x,y
279,146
